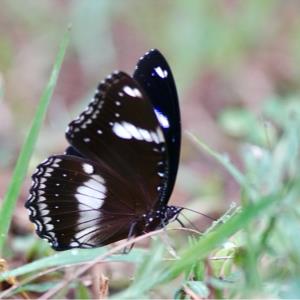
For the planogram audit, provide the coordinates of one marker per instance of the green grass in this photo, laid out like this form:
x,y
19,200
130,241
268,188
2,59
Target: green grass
x,y
11,196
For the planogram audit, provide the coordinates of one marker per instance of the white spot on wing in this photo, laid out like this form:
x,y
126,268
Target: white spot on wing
x,y
146,135
160,135
128,131
132,130
95,185
160,72
87,202
133,92
87,168
98,178
121,132
87,217
85,235
86,191
162,119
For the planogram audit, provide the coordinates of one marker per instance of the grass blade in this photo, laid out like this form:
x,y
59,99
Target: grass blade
x,y
21,167
213,239
70,257
234,172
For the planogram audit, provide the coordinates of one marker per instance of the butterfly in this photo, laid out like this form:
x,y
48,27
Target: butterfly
x,y
115,178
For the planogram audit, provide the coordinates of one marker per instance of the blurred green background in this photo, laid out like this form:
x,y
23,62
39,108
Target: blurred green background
x,y
235,62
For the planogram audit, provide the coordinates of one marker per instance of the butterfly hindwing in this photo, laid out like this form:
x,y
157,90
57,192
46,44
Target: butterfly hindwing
x,y
75,203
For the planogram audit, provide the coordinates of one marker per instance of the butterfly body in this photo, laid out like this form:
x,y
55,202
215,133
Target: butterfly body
x,y
117,175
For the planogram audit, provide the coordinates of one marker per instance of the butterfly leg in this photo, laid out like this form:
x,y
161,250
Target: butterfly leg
x,y
182,225
127,249
165,238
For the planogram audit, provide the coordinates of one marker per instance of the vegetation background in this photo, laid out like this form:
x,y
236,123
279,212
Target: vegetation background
x,y
236,66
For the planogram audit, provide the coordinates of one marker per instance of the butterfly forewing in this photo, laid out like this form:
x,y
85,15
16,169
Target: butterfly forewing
x,y
120,129
155,76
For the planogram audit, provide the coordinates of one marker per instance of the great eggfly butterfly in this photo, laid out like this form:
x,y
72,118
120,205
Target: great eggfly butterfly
x,y
116,177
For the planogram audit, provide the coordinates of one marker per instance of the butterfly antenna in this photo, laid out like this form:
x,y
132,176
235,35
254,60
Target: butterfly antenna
x,y
190,222
197,212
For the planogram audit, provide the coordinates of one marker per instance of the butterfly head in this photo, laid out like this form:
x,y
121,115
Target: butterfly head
x,y
159,218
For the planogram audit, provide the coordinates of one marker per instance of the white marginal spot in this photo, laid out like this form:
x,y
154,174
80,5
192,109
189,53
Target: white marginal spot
x,y
133,92
49,227
99,131
160,72
86,140
87,168
32,212
52,234
47,220
118,103
42,206
38,224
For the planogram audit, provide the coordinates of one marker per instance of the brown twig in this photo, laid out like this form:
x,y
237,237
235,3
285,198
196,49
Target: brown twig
x,y
103,290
